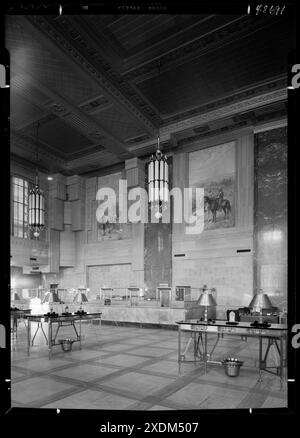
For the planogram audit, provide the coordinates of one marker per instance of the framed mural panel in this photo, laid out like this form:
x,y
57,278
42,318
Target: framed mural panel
x,y
109,228
214,170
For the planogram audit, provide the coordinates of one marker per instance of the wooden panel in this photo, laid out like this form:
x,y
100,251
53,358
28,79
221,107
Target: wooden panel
x,y
54,251
76,191
135,177
80,240
67,248
73,179
24,249
67,213
90,198
135,172
114,275
78,215
138,247
56,214
108,252
57,187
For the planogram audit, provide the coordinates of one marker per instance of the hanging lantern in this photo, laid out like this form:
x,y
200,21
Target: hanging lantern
x,y
36,209
158,181
36,201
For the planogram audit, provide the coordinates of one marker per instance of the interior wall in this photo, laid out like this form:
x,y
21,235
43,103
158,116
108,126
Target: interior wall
x,y
270,216
221,258
21,281
116,276
213,257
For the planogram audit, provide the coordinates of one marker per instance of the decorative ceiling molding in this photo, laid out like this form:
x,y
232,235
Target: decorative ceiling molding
x,y
239,96
73,115
85,54
248,120
96,160
26,148
225,111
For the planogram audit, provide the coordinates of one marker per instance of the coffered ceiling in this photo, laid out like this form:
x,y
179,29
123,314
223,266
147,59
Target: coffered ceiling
x,y
94,90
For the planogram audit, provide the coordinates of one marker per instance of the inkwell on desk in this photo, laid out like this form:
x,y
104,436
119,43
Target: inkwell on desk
x,y
66,312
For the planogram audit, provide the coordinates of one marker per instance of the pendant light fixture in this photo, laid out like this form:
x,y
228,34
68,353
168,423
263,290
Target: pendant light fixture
x,y
36,202
158,179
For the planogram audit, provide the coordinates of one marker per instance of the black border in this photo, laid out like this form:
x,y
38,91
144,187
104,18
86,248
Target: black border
x,y
24,420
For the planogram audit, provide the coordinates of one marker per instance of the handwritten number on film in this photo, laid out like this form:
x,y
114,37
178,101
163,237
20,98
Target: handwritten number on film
x,y
271,10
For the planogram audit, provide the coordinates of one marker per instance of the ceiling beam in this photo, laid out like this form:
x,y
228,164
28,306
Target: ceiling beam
x,y
55,34
86,123
26,149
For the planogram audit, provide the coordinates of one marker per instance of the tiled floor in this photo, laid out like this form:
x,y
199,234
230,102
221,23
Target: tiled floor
x,y
132,368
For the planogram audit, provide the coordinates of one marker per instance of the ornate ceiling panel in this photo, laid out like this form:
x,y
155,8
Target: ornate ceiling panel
x,y
23,112
102,86
220,72
121,124
28,52
60,135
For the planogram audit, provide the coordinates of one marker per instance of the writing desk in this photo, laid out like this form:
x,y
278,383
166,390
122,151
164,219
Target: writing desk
x,y
60,321
276,336
16,315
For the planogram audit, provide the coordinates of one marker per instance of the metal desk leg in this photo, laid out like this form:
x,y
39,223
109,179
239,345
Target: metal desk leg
x,y
49,339
281,362
179,350
28,337
205,352
80,333
195,345
260,359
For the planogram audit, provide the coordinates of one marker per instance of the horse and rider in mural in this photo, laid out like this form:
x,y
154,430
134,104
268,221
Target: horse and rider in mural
x,y
216,202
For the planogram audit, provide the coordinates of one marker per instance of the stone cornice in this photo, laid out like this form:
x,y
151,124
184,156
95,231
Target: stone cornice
x,y
224,111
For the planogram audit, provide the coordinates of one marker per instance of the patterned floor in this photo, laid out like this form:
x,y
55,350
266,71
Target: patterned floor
x,y
132,368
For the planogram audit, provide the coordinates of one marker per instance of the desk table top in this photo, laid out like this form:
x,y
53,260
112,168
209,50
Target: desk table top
x,y
194,323
60,318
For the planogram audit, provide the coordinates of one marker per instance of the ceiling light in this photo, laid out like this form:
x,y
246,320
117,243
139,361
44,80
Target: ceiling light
x,y
36,203
158,181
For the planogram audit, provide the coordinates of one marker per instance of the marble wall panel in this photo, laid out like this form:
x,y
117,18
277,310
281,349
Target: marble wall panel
x,y
270,214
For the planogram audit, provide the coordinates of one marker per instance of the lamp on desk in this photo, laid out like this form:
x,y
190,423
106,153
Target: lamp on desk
x,y
80,297
207,300
52,295
259,302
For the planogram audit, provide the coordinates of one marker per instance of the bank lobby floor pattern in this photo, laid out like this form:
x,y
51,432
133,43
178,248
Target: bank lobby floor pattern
x,y
133,368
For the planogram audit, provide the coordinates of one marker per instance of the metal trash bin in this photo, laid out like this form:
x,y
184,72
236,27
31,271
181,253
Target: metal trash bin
x,y
66,344
232,366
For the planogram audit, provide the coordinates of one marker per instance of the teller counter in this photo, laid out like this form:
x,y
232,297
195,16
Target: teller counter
x,y
141,312
135,314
